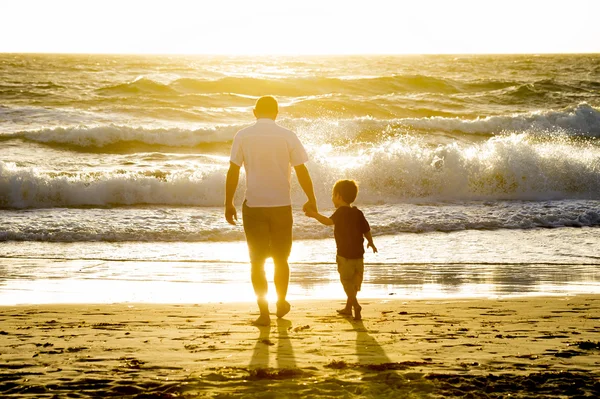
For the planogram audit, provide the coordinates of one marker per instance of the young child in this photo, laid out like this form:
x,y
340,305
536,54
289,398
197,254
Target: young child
x,y
350,226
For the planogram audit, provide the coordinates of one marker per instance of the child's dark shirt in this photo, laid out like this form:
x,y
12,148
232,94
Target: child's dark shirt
x,y
349,226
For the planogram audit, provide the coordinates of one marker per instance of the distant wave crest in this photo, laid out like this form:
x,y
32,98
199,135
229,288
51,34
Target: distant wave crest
x,y
107,135
582,120
296,86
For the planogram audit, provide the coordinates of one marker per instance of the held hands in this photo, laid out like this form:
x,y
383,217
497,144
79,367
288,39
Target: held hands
x,y
371,245
309,206
311,213
310,209
230,213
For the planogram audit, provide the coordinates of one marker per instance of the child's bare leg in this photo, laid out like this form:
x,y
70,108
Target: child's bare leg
x,y
350,292
352,302
358,278
347,310
357,309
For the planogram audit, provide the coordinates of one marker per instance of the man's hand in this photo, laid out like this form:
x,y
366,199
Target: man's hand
x,y
230,213
307,186
233,176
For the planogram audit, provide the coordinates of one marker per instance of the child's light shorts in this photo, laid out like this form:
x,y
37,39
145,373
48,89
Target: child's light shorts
x,y
351,272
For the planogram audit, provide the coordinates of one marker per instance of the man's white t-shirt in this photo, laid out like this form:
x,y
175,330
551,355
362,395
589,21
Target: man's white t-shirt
x,y
267,151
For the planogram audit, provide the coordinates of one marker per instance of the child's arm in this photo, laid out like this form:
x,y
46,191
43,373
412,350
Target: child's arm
x,y
323,219
369,238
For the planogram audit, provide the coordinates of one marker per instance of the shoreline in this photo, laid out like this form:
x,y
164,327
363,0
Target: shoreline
x,y
416,348
337,298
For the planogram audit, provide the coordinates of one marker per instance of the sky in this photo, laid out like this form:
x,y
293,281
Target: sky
x,y
300,26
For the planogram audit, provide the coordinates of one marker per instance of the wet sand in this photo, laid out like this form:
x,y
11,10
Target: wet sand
x,y
473,348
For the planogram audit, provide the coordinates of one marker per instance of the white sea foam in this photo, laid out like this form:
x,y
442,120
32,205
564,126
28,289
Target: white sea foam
x,y
504,167
583,119
29,188
105,135
185,224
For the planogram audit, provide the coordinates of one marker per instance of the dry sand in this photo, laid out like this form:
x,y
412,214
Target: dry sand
x,y
537,347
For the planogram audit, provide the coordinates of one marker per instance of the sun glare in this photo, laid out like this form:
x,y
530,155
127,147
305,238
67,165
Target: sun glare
x,y
299,27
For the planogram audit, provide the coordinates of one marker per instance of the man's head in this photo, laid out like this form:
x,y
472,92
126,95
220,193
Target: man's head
x,y
345,190
266,107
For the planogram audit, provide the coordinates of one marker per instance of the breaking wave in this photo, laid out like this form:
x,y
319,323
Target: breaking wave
x,y
582,121
504,167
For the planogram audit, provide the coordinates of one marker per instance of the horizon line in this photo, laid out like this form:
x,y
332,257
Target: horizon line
x,y
291,54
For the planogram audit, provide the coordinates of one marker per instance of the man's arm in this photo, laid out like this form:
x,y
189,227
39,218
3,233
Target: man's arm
x,y
307,186
233,177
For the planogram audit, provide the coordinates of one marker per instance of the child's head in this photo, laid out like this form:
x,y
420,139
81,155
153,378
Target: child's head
x,y
345,190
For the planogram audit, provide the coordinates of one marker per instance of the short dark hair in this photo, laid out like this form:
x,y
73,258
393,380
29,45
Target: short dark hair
x,y
266,105
347,189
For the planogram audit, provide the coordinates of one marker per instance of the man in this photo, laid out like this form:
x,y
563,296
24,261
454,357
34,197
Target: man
x,y
267,151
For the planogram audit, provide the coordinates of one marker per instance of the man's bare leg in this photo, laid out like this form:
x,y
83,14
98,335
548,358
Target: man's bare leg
x,y
261,287
281,278
264,319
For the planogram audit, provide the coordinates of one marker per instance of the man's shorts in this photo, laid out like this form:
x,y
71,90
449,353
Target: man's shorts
x,y
268,231
351,271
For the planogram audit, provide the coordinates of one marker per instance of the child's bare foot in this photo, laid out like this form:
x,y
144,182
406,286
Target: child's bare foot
x,y
263,320
283,308
345,311
357,315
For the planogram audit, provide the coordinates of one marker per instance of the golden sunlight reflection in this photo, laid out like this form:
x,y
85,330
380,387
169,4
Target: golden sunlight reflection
x,y
182,272
113,291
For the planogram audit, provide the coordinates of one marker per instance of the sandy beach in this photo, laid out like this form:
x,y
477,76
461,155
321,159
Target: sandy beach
x,y
517,347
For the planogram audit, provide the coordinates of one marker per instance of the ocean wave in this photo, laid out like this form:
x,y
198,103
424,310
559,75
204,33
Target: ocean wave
x,y
109,135
141,85
385,108
515,167
305,86
582,119
506,90
133,235
512,167
183,225
28,188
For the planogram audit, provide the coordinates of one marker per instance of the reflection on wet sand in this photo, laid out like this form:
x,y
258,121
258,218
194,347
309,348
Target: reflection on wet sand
x,y
75,281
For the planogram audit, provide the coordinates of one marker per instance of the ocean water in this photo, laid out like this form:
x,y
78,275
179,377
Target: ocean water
x,y
479,175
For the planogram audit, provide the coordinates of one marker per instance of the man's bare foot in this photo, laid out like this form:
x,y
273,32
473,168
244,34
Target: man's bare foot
x,y
345,312
263,320
283,308
357,315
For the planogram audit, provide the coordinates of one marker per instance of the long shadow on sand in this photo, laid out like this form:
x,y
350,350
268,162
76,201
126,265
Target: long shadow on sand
x,y
368,349
260,355
285,352
285,358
